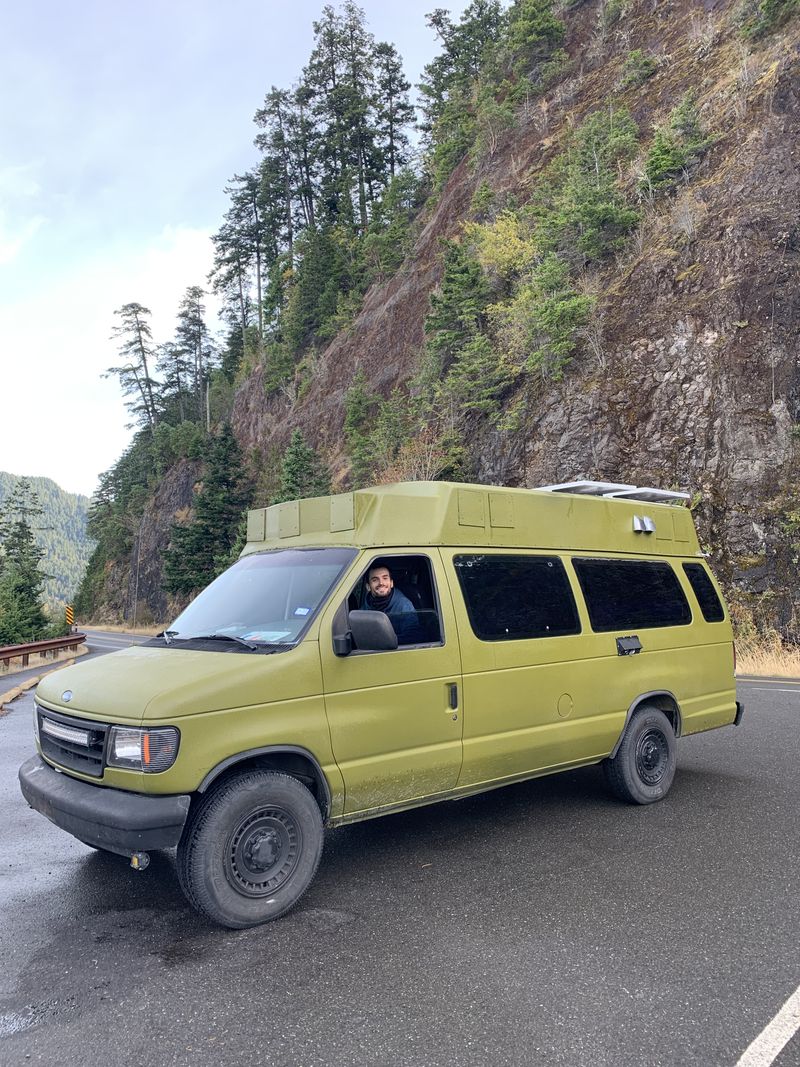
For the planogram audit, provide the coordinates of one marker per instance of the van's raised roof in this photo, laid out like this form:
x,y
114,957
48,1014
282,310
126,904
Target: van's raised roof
x,y
453,513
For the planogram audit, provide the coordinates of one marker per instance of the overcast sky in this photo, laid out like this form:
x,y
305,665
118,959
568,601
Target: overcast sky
x,y
120,124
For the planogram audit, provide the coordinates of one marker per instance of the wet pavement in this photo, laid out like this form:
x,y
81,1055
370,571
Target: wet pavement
x,y
544,923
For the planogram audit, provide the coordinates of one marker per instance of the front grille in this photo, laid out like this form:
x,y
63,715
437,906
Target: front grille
x,y
73,743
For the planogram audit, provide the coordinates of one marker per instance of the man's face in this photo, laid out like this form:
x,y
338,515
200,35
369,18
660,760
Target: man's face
x,y
380,581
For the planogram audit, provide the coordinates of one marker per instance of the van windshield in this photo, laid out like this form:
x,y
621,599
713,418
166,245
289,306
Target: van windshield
x,y
264,599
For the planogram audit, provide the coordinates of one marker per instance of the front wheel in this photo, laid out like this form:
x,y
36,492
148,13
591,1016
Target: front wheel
x,y
251,849
643,769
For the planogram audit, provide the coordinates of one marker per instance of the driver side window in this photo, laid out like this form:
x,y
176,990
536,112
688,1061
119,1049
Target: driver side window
x,y
404,588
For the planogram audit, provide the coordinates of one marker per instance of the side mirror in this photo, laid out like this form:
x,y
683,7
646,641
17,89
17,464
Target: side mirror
x,y
372,631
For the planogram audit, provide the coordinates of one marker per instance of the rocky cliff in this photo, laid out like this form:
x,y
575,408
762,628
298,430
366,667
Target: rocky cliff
x,y
690,377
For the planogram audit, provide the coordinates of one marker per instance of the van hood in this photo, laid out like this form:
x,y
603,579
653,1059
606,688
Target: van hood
x,y
141,683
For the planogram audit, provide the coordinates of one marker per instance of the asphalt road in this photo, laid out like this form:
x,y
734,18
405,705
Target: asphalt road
x,y
98,643
545,923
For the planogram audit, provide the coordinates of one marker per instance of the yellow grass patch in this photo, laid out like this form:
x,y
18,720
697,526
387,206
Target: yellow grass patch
x,y
769,657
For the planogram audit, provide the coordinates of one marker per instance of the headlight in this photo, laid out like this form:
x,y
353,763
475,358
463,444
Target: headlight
x,y
36,721
142,750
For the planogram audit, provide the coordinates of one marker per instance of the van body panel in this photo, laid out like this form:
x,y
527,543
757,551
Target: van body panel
x,y
442,514
393,732
159,684
502,685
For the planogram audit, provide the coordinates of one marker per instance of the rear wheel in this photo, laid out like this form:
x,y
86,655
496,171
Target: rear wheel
x,y
251,849
643,769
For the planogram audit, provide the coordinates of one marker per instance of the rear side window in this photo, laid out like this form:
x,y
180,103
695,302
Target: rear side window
x,y
703,589
629,594
510,598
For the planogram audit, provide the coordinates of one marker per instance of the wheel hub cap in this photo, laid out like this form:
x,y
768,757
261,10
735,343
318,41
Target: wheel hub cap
x,y
652,757
262,852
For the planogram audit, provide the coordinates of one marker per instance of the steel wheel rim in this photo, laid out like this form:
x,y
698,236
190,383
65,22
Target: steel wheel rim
x,y
652,756
263,852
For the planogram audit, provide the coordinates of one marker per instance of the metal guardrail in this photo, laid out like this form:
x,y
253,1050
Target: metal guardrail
x,y
55,644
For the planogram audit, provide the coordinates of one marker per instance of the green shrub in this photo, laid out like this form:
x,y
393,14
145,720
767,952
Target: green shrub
x,y
538,328
613,10
757,18
638,67
581,212
676,146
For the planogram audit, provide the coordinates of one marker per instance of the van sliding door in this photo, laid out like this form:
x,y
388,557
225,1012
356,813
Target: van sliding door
x,y
530,694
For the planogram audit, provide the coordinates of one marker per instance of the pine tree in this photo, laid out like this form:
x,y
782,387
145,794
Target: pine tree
x,y
193,341
22,617
136,350
199,551
303,473
534,33
395,112
457,308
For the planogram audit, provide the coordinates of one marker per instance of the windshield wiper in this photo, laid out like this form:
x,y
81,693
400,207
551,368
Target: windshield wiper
x,y
222,637
167,635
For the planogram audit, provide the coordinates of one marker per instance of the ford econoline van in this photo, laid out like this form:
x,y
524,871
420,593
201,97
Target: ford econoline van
x,y
518,633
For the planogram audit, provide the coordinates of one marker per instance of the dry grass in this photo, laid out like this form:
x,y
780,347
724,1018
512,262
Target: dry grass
x,y
769,657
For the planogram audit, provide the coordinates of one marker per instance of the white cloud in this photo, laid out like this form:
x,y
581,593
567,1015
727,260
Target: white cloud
x,y
18,224
58,418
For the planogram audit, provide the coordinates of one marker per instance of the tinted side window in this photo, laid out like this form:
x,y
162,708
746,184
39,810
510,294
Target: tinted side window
x,y
509,598
704,590
629,594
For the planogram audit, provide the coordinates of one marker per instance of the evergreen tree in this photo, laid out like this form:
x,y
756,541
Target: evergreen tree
x,y
360,406
22,617
199,551
457,308
174,364
534,33
136,350
193,341
449,81
395,112
303,472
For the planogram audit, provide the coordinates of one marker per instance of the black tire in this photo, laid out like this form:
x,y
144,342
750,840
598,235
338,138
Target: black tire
x,y
250,849
643,769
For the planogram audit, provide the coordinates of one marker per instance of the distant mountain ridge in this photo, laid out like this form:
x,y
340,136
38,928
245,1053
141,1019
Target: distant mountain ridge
x,y
62,535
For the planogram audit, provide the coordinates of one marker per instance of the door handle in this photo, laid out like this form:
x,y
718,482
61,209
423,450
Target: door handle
x,y
452,700
629,646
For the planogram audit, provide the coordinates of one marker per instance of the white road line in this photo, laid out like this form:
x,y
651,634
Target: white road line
x,y
767,1046
764,689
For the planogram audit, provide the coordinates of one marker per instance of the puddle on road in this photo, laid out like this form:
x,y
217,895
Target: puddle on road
x,y
16,1022
11,1022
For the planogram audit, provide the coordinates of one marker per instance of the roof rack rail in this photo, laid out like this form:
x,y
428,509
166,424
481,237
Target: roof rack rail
x,y
619,491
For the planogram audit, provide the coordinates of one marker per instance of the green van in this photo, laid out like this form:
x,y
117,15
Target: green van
x,y
382,649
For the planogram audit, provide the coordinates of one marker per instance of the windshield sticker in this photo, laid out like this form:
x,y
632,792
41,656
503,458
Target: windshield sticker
x,y
302,611
268,636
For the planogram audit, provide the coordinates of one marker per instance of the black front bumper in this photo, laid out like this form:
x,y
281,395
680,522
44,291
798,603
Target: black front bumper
x,y
107,818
